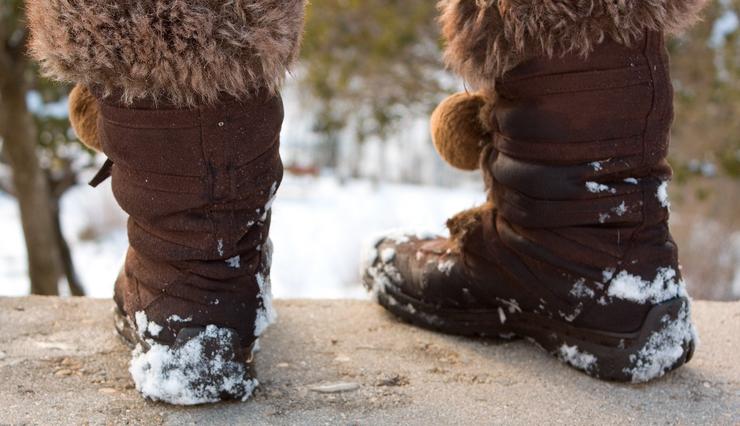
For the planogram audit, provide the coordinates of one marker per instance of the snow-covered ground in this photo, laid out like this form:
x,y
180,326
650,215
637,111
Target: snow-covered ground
x,y
319,227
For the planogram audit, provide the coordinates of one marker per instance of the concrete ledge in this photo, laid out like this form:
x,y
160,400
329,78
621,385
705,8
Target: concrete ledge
x,y
60,362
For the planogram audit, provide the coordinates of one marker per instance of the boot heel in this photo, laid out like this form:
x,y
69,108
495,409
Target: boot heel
x,y
666,341
202,365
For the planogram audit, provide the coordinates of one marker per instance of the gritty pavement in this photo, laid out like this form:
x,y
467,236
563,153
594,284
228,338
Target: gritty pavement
x,y
348,362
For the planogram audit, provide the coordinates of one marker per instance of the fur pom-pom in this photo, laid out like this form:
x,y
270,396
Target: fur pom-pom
x,y
458,130
83,115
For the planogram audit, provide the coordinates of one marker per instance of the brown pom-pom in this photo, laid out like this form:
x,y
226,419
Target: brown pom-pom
x,y
83,114
457,130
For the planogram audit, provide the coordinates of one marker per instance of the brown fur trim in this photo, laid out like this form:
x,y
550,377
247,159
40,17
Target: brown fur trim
x,y
183,52
83,115
486,38
462,224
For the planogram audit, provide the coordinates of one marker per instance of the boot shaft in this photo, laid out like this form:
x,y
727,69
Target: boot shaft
x,y
198,185
580,148
203,176
576,171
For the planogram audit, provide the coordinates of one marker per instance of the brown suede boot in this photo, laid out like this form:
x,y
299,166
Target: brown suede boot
x,y
573,249
189,116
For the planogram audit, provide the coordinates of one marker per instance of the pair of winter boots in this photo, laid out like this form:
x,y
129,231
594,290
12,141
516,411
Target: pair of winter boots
x,y
569,124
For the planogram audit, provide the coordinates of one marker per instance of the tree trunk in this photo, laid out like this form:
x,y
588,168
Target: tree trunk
x,y
18,131
68,266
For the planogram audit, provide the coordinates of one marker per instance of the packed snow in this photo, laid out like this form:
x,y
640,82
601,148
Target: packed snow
x,y
512,305
664,348
143,325
662,195
178,318
191,374
621,209
664,286
577,358
266,314
234,262
573,315
387,254
596,187
446,266
581,290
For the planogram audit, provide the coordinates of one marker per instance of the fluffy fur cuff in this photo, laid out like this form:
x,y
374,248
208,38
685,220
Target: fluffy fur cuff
x,y
183,52
486,38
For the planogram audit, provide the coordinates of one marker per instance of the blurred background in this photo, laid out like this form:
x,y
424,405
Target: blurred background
x,y
358,157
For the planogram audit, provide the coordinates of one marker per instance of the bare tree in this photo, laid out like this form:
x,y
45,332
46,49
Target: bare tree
x,y
19,136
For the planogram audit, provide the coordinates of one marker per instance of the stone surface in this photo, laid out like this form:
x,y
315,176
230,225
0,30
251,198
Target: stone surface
x,y
348,362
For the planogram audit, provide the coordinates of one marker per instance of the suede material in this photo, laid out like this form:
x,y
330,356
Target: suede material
x,y
197,184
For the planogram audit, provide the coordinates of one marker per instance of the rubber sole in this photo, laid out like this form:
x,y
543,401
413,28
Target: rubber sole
x,y
208,362
623,357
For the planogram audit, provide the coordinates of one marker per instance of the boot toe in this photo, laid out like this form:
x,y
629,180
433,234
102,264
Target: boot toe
x,y
389,261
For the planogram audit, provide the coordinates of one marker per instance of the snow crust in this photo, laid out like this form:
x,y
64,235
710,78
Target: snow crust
x,y
143,325
664,347
388,254
234,262
630,287
581,291
573,315
596,188
190,375
621,209
577,358
662,195
266,313
446,266
511,304
178,318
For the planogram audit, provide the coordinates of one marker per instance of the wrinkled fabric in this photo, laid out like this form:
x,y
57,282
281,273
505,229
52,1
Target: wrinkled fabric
x,y
197,184
574,171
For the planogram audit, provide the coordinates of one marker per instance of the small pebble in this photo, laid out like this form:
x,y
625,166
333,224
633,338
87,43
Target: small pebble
x,y
107,391
336,387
